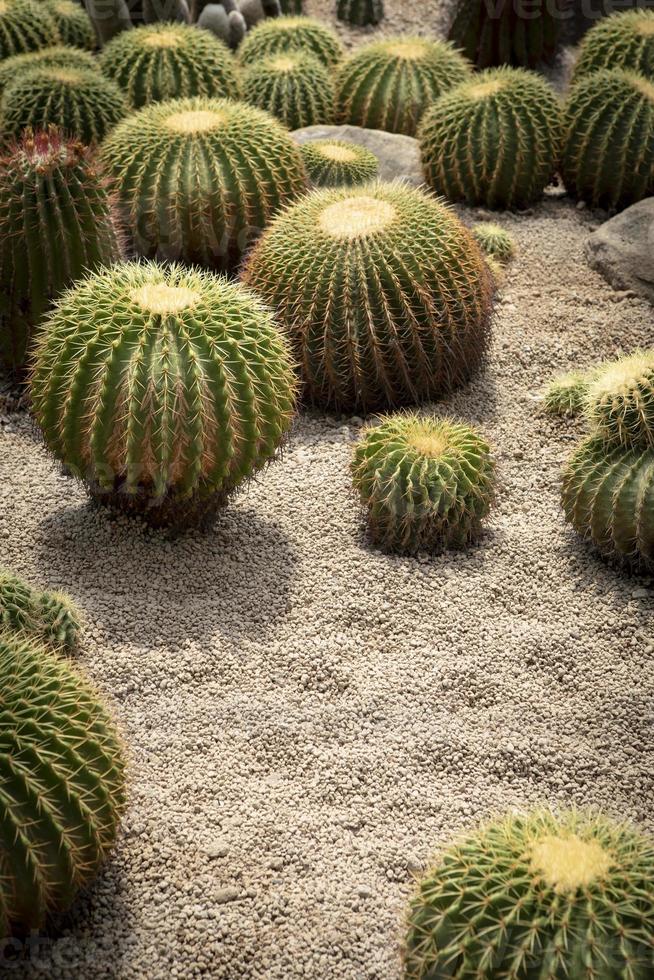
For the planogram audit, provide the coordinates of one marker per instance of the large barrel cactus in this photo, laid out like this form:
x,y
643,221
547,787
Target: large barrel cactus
x,y
58,56
295,88
47,616
385,296
624,40
169,61
198,179
73,24
162,388
360,13
63,784
280,35
506,32
336,163
389,84
26,25
494,140
619,400
537,896
55,224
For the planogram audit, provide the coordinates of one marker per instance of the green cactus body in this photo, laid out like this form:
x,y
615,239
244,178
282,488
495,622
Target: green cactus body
x,y
49,617
199,178
291,6
55,225
382,291
389,84
55,57
624,40
537,896
360,13
281,35
495,242
18,612
163,388
566,394
619,400
63,784
608,148
170,61
494,140
336,163
295,88
426,483
507,33
25,25
73,24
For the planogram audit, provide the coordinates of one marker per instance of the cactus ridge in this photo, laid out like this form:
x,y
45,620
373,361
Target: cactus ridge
x,y
294,87
566,394
494,140
47,616
360,13
538,895
426,483
281,35
389,84
58,56
495,242
500,34
170,61
623,40
337,163
26,25
74,25
619,400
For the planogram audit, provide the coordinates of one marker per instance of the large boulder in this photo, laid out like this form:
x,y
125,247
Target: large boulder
x,y
622,249
399,156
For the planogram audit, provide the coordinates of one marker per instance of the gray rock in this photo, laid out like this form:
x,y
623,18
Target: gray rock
x,y
252,11
213,18
622,249
399,156
237,28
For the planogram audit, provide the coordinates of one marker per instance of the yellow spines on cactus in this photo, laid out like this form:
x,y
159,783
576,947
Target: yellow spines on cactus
x,y
623,40
281,35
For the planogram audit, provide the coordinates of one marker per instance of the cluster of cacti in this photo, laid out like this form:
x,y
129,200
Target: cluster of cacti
x,y
73,24
624,40
389,84
384,294
169,61
335,163
63,784
295,88
360,13
282,35
58,56
539,895
426,483
55,224
507,32
163,389
47,616
494,140
608,148
495,242
26,25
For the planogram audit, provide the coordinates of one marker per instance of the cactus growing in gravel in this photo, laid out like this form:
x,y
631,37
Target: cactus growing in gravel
x,y
163,388
624,40
55,224
56,57
169,61
199,178
281,35
26,25
73,24
384,294
63,784
336,163
494,140
295,88
360,13
538,895
426,483
507,33
565,395
389,84
608,147
47,616
619,400
495,242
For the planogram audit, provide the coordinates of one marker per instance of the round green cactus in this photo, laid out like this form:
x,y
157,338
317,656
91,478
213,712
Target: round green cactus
x,y
426,483
26,25
295,87
624,40
83,104
163,388
360,13
608,148
336,163
170,61
619,400
383,292
495,242
538,895
495,140
55,224
47,616
73,24
281,35
566,394
55,57
389,84
507,33
63,784
199,178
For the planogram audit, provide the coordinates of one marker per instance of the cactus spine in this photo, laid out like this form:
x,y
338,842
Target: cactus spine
x,y
46,616
624,40
336,163
506,32
55,57
295,88
360,13
25,25
73,24
281,35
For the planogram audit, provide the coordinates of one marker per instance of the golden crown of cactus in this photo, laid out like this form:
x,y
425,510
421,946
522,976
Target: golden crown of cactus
x,y
58,56
623,40
336,163
281,35
47,616
73,24
26,25
497,243
384,294
389,84
294,87
507,32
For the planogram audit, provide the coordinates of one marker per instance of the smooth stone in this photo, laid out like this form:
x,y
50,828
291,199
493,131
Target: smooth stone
x,y
622,249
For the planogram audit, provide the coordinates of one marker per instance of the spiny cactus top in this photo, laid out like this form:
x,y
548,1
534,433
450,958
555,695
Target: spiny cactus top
x,y
58,56
163,388
624,40
336,163
537,896
360,12
170,61
283,34
565,395
295,87
26,25
63,784
47,616
426,483
199,178
619,400
506,32
383,292
494,140
73,24
389,84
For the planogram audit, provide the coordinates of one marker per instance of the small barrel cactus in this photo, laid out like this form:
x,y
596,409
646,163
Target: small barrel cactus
x,y
63,784
426,483
336,163
26,25
198,179
389,84
619,400
47,616
624,40
58,56
73,24
163,388
169,61
280,35
55,224
384,294
295,88
494,140
360,13
497,243
566,394
540,895
608,147
507,33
